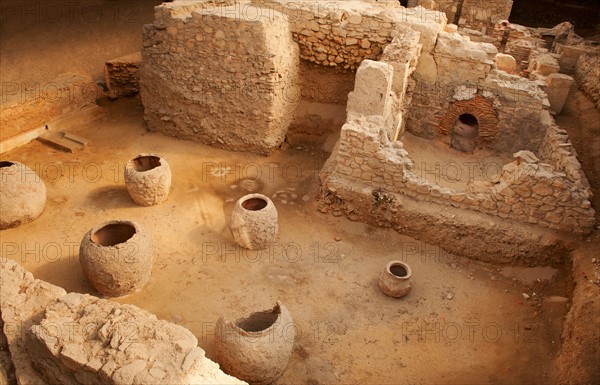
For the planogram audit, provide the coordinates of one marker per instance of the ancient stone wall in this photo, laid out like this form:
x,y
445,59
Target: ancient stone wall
x,y
77,339
24,108
463,80
517,41
528,191
121,75
587,74
342,34
479,15
225,75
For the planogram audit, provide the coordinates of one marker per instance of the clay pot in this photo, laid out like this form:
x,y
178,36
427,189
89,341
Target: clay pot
x,y
254,222
22,194
117,257
396,279
148,179
256,349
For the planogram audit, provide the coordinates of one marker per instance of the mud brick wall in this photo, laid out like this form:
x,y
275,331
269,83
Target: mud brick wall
x,y
517,41
25,108
121,75
214,74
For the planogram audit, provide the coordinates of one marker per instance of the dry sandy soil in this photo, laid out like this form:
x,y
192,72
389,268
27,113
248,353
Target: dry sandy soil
x,y
464,323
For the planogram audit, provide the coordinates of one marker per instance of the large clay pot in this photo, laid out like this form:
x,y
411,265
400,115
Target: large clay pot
x,y
148,179
396,279
256,349
254,222
22,194
117,257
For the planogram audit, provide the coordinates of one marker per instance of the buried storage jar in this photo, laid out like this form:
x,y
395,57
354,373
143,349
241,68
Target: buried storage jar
x,y
117,257
396,279
254,222
148,179
256,349
22,194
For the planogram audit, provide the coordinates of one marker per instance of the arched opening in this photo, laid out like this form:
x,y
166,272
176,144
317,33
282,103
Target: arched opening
x,y
465,133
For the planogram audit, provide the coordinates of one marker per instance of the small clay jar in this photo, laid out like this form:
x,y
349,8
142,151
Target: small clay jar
x,y
254,222
22,194
396,279
148,179
117,257
256,349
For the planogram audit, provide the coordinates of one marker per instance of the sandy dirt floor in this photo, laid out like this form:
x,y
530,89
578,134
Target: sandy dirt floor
x,y
464,322
437,163
42,39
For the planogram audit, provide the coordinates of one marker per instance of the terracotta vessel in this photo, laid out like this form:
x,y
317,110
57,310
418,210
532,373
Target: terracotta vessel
x,y
148,179
396,279
256,349
254,222
117,257
22,194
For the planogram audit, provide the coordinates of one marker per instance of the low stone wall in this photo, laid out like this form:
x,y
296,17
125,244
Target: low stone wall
x,y
121,75
587,75
77,339
27,107
525,191
552,195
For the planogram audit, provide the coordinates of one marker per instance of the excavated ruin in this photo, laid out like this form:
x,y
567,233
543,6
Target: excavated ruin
x,y
416,180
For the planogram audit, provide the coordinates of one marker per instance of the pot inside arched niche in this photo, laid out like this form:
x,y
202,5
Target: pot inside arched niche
x,y
468,124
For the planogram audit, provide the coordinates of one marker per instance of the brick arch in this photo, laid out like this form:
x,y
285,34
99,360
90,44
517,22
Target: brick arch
x,y
479,107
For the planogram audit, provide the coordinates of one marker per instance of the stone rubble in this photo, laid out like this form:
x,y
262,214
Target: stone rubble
x,y
78,339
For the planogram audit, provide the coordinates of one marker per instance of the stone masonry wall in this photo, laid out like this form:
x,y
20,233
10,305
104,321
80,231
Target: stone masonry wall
x,y
479,15
517,41
464,71
342,34
526,190
219,75
121,75
587,74
77,339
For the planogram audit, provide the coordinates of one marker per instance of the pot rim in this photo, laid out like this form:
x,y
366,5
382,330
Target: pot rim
x,y
398,263
138,228
254,196
239,330
11,163
129,165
